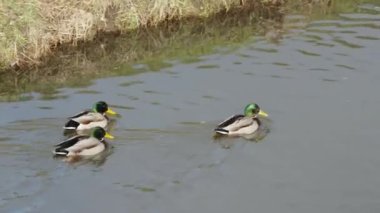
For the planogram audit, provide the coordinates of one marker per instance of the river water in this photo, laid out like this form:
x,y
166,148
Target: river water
x,y
319,82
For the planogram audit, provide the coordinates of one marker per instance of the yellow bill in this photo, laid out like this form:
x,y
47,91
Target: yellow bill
x,y
109,136
111,112
262,113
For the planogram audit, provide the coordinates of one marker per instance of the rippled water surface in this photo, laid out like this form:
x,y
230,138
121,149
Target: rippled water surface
x,y
319,83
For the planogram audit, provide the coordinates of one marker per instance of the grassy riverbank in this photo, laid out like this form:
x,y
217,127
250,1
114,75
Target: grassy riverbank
x,y
107,56
30,29
100,54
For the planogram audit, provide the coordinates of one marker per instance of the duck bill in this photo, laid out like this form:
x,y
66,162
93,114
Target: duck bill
x,y
109,136
111,112
262,113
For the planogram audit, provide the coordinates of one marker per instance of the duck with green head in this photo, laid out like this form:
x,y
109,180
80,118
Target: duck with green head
x,y
246,124
89,119
83,145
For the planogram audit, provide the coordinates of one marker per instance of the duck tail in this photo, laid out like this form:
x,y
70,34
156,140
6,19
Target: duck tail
x,y
221,131
60,152
71,124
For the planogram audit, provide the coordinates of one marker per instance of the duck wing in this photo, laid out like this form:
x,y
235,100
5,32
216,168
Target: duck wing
x,y
85,118
233,123
84,144
80,114
229,121
71,141
77,119
61,147
89,117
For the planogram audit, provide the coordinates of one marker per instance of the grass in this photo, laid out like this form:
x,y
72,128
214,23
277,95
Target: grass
x,y
151,47
74,42
14,16
30,29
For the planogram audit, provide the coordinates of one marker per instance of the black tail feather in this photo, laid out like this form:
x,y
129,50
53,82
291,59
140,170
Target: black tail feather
x,y
221,131
61,152
71,124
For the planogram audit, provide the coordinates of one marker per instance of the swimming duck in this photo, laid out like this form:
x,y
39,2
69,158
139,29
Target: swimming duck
x,y
83,145
238,125
89,119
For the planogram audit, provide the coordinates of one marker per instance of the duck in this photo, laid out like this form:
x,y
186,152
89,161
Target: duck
x,y
83,145
89,119
240,125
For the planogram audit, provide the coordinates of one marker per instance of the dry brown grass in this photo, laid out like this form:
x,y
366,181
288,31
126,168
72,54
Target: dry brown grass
x,y
184,40
30,29
188,33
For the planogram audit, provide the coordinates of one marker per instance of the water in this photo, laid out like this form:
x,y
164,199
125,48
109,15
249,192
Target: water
x,y
319,84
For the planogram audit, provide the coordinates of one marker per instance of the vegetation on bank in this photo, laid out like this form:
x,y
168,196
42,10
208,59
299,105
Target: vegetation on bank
x,y
30,29
99,54
151,47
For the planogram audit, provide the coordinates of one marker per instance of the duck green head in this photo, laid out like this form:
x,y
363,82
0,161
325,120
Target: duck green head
x,y
254,110
102,107
99,133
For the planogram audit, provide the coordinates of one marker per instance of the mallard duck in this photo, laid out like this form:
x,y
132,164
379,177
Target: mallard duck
x,y
238,125
83,145
89,119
